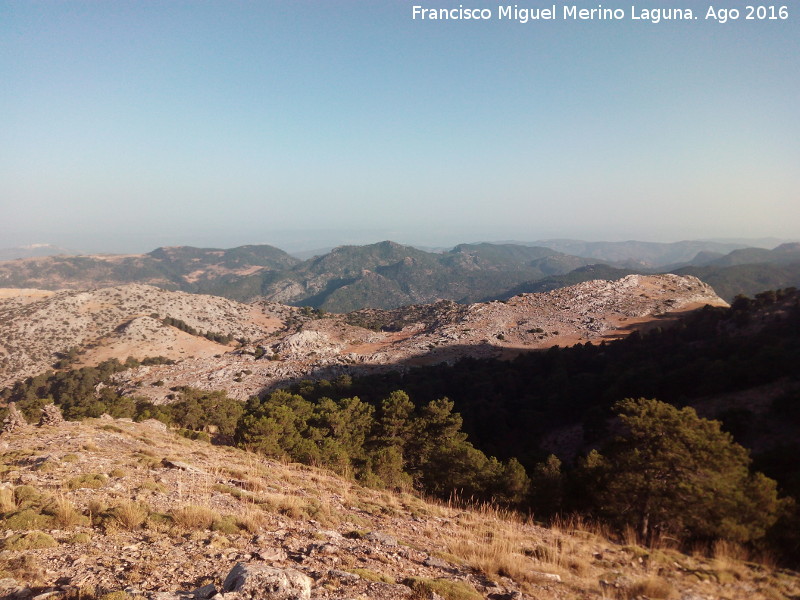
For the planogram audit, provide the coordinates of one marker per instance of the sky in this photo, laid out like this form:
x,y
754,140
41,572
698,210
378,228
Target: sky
x,y
129,125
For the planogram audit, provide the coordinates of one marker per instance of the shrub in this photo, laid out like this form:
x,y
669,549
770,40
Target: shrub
x,y
88,480
373,576
27,519
26,495
29,541
226,524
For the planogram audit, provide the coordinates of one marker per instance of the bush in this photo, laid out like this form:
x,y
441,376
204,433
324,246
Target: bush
x,y
88,480
29,541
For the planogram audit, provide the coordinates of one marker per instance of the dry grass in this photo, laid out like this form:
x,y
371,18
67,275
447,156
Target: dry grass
x,y
251,520
95,508
729,552
492,541
7,501
130,515
65,514
651,587
291,506
193,516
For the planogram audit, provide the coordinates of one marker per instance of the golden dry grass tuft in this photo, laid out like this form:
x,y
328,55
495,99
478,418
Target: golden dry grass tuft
x,y
130,515
656,588
193,516
251,520
7,501
65,514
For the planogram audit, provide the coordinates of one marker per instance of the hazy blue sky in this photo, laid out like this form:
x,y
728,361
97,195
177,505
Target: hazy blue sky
x,y
128,125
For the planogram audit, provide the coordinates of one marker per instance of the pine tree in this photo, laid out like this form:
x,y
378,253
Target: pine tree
x,y
674,472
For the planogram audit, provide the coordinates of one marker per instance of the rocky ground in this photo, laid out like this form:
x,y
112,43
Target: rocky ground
x,y
109,506
278,343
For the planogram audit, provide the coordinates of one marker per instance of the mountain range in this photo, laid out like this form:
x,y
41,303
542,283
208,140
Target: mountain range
x,y
387,275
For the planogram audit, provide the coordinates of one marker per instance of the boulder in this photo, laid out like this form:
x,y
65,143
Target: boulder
x,y
51,415
261,582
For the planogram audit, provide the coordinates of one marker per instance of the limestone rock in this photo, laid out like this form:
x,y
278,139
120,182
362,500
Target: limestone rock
x,y
260,582
547,576
437,563
15,420
381,538
181,466
271,554
51,415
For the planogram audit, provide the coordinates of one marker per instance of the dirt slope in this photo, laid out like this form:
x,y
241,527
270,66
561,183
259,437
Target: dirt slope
x,y
108,505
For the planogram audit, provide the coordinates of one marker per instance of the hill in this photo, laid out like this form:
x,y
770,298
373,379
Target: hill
x,y
579,275
33,250
746,279
388,275
636,254
783,254
178,268
223,344
384,275
109,506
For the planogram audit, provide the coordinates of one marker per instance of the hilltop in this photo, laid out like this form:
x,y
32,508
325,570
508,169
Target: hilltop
x,y
101,506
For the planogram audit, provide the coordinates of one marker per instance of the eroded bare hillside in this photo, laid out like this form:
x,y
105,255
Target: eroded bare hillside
x,y
38,327
279,343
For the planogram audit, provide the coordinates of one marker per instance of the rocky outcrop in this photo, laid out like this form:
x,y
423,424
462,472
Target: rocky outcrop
x,y
15,420
51,415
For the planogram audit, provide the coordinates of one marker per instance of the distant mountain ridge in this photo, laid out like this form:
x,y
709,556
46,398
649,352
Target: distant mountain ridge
x,y
382,275
181,268
641,254
388,275
32,250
